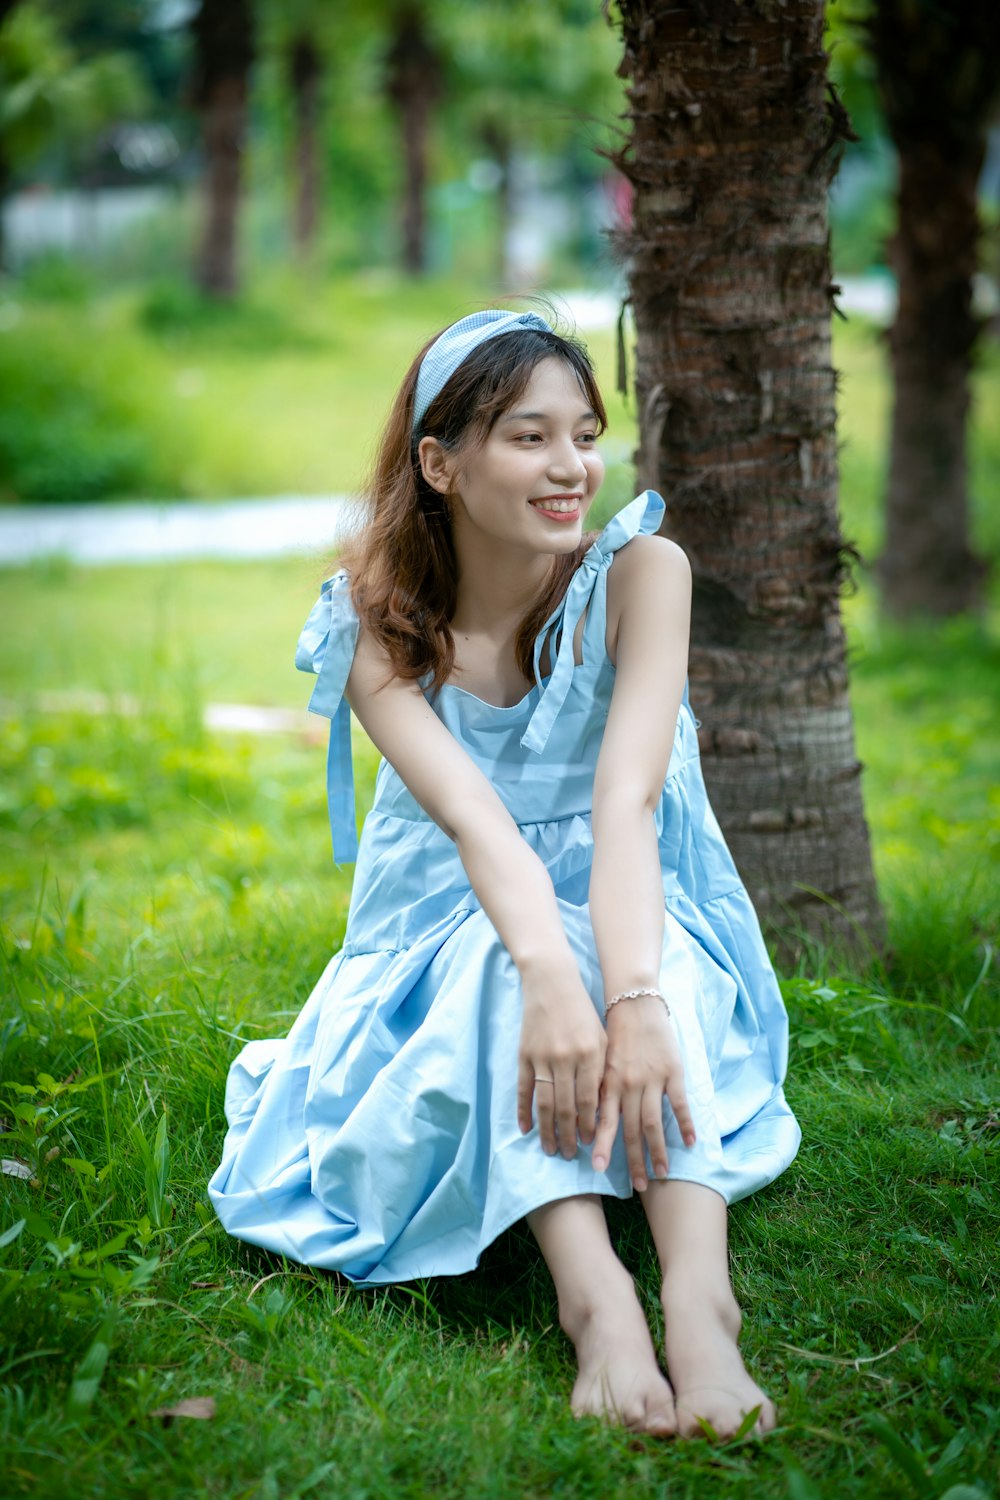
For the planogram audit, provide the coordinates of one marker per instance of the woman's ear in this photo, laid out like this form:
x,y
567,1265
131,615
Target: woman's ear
x,y
436,464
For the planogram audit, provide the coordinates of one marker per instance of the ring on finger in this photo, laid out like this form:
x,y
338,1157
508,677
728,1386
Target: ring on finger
x,y
544,1080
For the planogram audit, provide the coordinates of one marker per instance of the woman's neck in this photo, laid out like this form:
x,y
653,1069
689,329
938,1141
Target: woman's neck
x,y
496,585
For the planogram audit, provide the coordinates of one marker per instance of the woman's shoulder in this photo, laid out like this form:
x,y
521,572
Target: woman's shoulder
x,y
656,558
650,581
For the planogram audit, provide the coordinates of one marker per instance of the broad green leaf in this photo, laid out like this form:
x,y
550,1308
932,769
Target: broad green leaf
x,y
10,1235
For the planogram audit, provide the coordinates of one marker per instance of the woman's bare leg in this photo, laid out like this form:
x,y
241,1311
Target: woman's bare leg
x,y
701,1316
619,1378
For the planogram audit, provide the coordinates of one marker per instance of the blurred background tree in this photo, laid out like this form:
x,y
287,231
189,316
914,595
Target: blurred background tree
x,y
224,35
413,81
937,69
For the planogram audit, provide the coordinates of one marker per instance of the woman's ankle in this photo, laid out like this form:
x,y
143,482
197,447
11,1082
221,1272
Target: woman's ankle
x,y
688,1292
585,1303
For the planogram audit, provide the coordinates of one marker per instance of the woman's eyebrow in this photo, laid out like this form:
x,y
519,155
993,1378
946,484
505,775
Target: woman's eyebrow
x,y
543,416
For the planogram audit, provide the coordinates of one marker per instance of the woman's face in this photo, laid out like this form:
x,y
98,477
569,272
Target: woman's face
x,y
531,483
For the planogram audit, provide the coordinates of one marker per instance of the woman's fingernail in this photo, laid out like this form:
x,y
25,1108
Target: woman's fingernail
x,y
640,1184
599,1163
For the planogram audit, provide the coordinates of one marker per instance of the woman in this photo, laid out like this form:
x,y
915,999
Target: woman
x,y
552,987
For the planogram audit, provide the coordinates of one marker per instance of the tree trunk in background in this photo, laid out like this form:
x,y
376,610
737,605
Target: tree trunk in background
x,y
306,71
413,81
224,46
497,141
937,76
732,149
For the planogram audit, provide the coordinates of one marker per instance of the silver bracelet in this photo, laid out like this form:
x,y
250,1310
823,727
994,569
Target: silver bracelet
x,y
634,995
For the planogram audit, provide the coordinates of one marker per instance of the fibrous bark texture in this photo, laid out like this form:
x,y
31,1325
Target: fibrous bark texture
x,y
224,49
732,145
938,78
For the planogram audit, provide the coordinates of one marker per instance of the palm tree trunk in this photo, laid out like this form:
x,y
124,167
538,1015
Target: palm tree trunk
x,y
731,152
413,83
306,73
224,45
938,79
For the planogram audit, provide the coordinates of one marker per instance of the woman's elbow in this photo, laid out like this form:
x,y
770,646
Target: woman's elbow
x,y
626,803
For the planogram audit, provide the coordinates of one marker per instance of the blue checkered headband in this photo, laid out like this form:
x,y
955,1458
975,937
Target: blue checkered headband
x,y
453,347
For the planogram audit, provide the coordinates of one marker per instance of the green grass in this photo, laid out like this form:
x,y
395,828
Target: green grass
x,y
169,893
165,893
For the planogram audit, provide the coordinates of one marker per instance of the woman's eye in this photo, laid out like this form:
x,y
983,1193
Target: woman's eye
x,y
587,437
529,437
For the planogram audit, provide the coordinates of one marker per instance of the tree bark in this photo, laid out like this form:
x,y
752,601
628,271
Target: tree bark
x,y
414,85
937,78
306,74
731,151
224,47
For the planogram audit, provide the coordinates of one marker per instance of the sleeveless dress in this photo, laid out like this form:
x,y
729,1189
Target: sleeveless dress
x,y
379,1138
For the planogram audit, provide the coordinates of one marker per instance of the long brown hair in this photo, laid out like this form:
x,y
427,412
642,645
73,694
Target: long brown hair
x,y
402,563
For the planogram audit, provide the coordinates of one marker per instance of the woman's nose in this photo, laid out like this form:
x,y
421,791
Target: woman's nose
x,y
566,462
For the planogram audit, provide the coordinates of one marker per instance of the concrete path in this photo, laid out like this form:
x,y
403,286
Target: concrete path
x,y
159,532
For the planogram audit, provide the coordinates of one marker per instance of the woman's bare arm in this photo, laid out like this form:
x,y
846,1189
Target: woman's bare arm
x,y
561,1038
649,608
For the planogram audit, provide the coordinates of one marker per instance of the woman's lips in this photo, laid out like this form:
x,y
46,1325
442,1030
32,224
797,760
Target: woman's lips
x,y
571,514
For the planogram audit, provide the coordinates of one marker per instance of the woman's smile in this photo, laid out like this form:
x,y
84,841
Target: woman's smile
x,y
558,507
540,456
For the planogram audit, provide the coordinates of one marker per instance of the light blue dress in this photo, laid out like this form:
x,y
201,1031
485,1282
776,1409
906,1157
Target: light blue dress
x,y
380,1138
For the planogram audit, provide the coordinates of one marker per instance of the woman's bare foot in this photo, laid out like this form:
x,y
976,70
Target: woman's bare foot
x,y
619,1378
712,1386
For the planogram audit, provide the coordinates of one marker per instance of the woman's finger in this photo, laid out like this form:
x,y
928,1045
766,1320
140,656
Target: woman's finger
x,y
545,1111
634,1143
525,1087
565,1091
677,1094
652,1129
588,1087
607,1129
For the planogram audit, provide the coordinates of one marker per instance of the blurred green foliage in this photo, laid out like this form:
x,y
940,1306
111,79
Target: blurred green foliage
x,y
155,391
75,422
51,96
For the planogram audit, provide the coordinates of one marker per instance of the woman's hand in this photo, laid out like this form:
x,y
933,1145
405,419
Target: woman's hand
x,y
643,1063
560,1060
